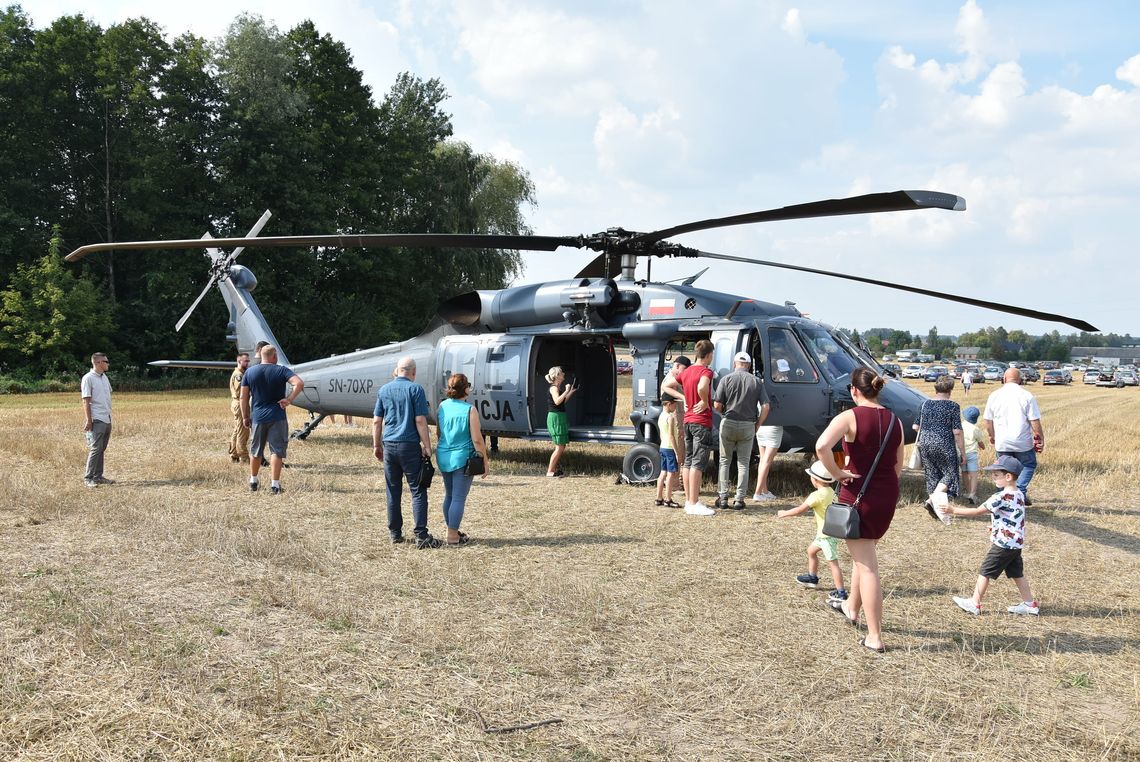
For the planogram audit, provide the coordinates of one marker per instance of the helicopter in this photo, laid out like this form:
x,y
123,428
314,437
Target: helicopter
x,y
505,340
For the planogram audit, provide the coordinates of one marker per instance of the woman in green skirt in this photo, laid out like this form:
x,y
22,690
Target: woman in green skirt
x,y
560,391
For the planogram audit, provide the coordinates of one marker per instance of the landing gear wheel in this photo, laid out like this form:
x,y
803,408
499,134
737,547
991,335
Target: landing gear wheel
x,y
642,464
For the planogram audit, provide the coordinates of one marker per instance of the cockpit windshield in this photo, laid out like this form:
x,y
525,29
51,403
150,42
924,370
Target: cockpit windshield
x,y
835,359
860,353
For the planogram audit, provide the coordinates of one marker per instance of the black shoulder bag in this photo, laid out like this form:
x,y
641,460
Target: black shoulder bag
x,y
842,520
427,472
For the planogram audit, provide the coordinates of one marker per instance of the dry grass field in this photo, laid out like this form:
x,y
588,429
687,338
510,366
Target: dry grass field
x,y
174,615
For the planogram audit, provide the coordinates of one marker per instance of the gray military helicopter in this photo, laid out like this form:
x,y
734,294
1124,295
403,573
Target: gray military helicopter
x,y
505,340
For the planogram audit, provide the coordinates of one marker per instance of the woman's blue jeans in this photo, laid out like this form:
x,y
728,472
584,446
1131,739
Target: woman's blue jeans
x,y
456,485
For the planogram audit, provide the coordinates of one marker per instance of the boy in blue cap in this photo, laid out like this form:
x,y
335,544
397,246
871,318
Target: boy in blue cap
x,y
1007,533
974,438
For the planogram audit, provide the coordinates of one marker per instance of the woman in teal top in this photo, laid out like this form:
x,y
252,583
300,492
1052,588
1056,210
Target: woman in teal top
x,y
459,439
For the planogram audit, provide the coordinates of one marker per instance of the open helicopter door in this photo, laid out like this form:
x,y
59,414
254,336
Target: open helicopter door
x,y
800,398
500,388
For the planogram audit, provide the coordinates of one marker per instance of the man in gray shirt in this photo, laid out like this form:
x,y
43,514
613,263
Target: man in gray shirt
x,y
95,391
743,403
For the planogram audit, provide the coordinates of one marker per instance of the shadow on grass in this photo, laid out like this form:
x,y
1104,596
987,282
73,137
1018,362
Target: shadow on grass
x,y
1036,645
1094,510
1086,531
919,592
567,540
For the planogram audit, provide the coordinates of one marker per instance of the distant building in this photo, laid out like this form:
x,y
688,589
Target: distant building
x,y
1122,355
967,353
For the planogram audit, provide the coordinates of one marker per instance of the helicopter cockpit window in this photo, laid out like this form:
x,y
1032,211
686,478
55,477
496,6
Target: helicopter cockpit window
x,y
859,352
787,363
503,364
834,359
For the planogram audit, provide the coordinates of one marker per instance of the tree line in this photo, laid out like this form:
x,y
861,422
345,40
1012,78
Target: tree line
x,y
123,134
993,343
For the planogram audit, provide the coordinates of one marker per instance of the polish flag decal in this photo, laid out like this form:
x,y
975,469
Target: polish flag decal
x,y
662,306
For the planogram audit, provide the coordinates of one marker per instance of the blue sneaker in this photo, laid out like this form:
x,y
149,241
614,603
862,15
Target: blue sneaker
x,y
837,595
808,580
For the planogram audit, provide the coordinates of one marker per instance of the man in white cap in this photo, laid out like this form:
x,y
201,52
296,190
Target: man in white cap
x,y
743,405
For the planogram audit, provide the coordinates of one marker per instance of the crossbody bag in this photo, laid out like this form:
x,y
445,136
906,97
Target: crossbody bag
x,y
842,519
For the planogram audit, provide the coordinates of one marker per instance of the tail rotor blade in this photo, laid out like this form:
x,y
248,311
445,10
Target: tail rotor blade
x,y
186,316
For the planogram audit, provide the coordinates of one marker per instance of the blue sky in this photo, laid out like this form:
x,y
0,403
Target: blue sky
x,y
648,114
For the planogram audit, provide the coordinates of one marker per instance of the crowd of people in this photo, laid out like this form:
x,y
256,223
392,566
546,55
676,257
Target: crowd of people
x,y
867,476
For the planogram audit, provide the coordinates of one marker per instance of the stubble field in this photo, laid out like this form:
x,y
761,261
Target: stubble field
x,y
174,615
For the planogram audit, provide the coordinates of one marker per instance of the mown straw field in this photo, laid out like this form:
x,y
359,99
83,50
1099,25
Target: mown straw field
x,y
174,615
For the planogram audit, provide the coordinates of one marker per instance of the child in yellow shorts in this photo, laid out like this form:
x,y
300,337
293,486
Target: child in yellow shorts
x,y
817,502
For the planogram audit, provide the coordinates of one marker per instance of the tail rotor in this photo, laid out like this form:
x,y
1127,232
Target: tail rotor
x,y
220,264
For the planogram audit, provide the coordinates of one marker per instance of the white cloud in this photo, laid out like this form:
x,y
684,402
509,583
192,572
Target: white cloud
x,y
1129,71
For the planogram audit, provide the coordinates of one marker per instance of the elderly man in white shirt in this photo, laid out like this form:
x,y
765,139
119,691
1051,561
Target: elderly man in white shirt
x,y
95,389
1013,422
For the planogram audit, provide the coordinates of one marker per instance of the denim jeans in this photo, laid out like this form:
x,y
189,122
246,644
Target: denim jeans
x,y
403,460
1028,462
735,437
456,485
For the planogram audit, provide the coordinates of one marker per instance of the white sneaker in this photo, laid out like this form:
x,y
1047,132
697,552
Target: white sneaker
x,y
763,497
940,501
699,509
968,605
1025,607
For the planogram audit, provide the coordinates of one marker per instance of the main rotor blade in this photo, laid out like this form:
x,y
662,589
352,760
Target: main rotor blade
x,y
414,240
871,203
986,304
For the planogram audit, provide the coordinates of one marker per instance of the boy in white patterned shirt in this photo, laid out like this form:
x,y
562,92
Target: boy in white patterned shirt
x,y
1007,533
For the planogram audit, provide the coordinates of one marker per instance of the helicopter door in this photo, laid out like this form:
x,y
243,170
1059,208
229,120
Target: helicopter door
x,y
800,401
501,383
457,355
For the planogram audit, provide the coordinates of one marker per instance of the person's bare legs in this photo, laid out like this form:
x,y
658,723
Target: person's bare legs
x,y
836,574
555,457
693,486
854,598
972,484
980,589
1023,588
866,591
813,560
254,466
767,455
275,466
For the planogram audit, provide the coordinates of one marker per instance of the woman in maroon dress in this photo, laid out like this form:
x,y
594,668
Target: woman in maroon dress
x,y
862,430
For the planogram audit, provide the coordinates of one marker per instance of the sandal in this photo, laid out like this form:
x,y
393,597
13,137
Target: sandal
x,y
672,504
879,650
837,607
659,502
463,539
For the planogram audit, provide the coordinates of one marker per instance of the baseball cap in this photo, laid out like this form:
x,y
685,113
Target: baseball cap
x,y
742,357
971,414
819,472
1006,463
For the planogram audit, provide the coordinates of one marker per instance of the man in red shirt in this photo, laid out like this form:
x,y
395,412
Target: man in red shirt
x,y
696,381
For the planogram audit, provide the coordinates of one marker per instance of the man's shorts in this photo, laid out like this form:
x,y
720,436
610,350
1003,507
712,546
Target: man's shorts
x,y
275,434
769,436
1000,560
971,462
698,445
828,546
668,460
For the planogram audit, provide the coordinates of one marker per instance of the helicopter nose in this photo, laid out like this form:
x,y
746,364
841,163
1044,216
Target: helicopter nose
x,y
903,400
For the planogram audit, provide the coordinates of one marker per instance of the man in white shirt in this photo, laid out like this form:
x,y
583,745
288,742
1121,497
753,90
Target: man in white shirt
x,y
1013,423
95,389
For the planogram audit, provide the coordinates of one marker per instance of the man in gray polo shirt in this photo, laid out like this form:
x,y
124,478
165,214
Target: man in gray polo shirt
x,y
743,405
95,389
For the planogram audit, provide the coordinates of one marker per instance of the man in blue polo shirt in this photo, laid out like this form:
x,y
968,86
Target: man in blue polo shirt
x,y
263,403
400,440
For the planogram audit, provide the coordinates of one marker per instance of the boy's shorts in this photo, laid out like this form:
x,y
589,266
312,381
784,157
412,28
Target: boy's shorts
x,y
1000,560
668,460
828,547
971,462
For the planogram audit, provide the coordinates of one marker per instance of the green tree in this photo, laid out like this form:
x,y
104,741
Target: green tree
x,y
49,317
